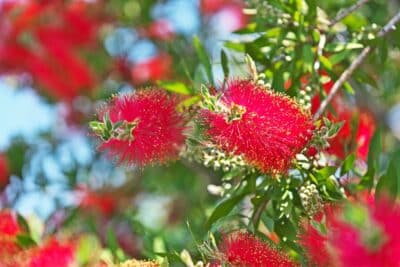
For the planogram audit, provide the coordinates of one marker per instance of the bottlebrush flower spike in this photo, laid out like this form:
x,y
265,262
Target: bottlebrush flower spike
x,y
9,229
352,137
365,131
267,128
368,239
102,202
314,244
53,254
8,224
147,128
58,31
243,249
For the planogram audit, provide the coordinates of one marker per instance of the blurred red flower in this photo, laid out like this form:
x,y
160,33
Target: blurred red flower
x,y
314,244
353,136
373,241
9,229
4,172
267,128
153,69
243,249
160,29
8,223
53,253
212,6
105,203
45,39
231,12
156,131
365,131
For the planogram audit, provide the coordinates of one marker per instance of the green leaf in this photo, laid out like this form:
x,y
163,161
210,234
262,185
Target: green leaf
x,y
334,128
312,10
16,157
112,244
285,229
235,46
383,51
308,58
339,47
273,32
176,87
347,164
324,173
25,241
348,88
339,57
389,183
278,80
224,63
107,121
375,148
326,63
23,224
204,59
189,102
223,209
356,215
85,247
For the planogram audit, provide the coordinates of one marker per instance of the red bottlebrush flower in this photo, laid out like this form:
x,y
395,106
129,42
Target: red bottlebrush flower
x,y
230,12
314,244
157,127
212,6
160,30
374,241
153,69
123,69
92,200
267,128
9,229
58,32
53,254
365,131
8,224
243,249
232,17
343,142
377,244
4,172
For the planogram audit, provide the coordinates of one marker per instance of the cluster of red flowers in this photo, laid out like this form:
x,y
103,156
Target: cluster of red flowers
x,y
357,130
267,128
157,128
373,241
243,249
51,253
45,39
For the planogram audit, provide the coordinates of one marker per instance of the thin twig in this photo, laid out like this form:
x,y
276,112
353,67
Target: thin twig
x,y
257,214
344,13
390,26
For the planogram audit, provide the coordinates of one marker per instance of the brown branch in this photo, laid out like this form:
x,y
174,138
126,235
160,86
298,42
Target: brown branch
x,y
390,26
344,13
258,212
